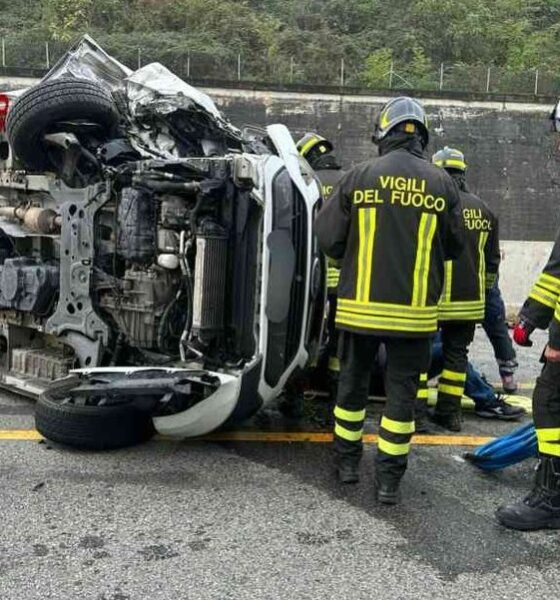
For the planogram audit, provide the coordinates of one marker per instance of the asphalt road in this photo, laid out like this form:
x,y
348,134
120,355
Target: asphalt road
x,y
230,520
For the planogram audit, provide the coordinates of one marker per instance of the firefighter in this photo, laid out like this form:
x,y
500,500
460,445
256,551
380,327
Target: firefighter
x,y
540,509
463,300
392,222
318,151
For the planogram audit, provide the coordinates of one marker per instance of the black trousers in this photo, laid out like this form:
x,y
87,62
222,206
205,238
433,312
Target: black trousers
x,y
456,338
546,409
407,358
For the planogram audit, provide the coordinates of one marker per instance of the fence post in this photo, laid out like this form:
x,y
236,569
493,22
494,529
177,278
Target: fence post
x,y
441,77
342,72
139,58
3,52
188,64
292,69
391,76
239,67
488,80
536,82
47,56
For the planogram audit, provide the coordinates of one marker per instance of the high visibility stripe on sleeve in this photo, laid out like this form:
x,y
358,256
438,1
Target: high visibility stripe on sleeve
x,y
347,434
453,375
334,364
366,225
543,296
550,282
392,448
482,264
352,416
397,426
423,376
422,394
426,231
550,448
452,390
548,434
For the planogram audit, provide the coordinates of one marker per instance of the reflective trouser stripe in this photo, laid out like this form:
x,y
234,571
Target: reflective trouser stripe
x,y
334,364
404,427
366,228
490,280
347,434
352,416
422,393
549,440
392,448
453,375
452,390
426,232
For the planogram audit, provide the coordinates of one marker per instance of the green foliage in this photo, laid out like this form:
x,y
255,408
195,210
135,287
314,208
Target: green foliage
x,y
377,67
303,40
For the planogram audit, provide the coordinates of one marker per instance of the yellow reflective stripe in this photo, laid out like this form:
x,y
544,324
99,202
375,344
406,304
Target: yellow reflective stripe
x,y
334,364
549,280
423,376
352,416
483,238
389,324
546,295
549,448
422,394
548,434
333,276
347,434
366,222
451,162
397,426
393,449
404,310
490,279
452,390
447,277
426,231
534,295
308,145
453,375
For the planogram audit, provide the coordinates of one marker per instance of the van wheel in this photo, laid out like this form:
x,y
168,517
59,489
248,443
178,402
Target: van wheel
x,y
47,107
61,417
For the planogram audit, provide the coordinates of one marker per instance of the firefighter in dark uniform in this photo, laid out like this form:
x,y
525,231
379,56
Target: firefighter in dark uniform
x,y
318,151
540,509
465,282
393,222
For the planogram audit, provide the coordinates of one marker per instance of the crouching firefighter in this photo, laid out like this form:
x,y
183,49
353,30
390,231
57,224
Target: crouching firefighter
x,y
393,222
318,151
540,509
463,299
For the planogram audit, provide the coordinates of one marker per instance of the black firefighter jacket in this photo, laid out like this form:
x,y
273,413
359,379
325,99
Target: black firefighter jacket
x,y
329,176
467,277
542,307
393,222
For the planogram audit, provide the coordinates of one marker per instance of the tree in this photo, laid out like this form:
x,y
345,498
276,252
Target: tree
x,y
377,67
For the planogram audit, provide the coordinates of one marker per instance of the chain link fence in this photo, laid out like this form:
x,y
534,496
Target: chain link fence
x,y
200,66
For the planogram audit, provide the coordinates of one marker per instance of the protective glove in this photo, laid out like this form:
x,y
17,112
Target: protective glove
x,y
522,332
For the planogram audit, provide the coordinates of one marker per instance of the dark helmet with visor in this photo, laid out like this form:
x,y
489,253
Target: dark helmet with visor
x,y
403,113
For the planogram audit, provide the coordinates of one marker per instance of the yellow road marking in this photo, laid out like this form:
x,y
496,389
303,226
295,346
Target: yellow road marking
x,y
278,436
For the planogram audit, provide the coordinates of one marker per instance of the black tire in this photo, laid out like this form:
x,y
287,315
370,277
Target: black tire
x,y
90,427
42,106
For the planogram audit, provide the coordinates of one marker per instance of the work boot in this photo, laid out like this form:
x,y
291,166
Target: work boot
x,y
386,491
347,469
507,370
501,410
540,509
449,421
